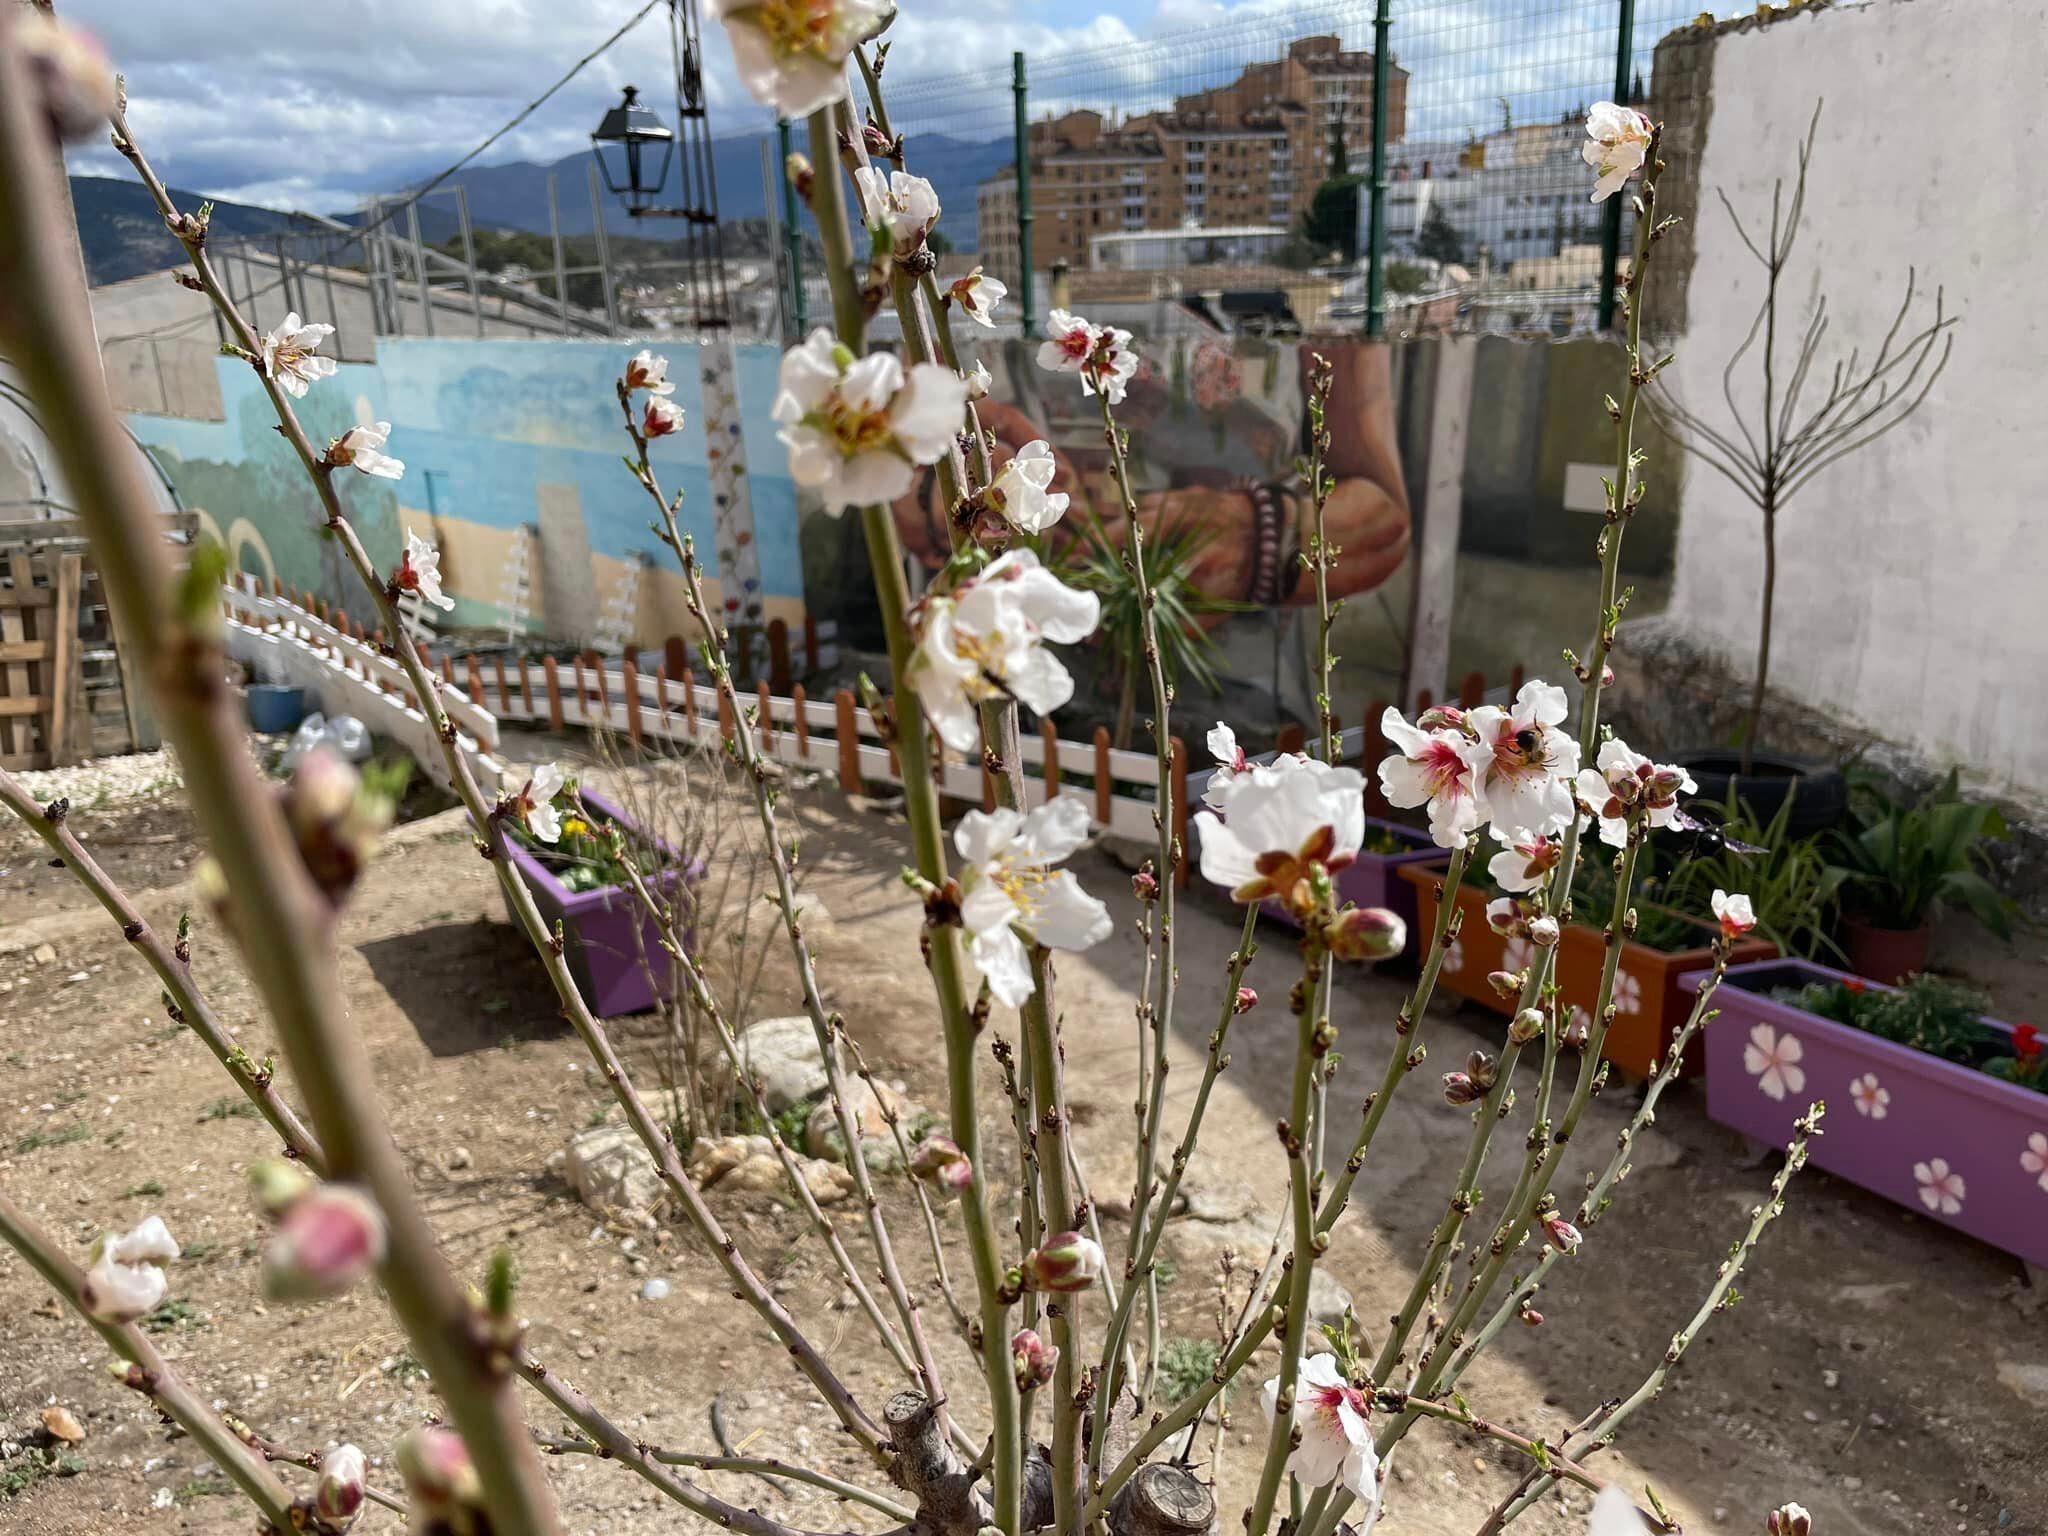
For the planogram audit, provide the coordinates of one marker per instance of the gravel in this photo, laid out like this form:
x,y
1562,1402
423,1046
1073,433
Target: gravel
x,y
106,780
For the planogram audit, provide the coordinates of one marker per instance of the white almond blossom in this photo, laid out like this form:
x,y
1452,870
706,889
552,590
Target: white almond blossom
x,y
1331,1416
536,802
1522,764
986,640
904,205
648,372
1614,1514
1069,341
1230,762
979,383
124,1280
978,294
362,449
1619,142
857,428
1627,787
420,571
791,54
1110,366
1734,913
661,417
1012,895
290,355
1022,490
1430,768
1278,821
1525,863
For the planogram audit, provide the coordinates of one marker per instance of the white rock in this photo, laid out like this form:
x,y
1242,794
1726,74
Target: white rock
x,y
782,1054
655,1290
878,1146
610,1170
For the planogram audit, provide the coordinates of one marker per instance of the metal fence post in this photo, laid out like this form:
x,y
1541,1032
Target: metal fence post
x,y
1023,146
1610,234
792,231
561,272
604,254
1376,235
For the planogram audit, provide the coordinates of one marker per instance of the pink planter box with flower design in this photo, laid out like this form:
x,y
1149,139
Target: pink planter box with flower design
x,y
1954,1144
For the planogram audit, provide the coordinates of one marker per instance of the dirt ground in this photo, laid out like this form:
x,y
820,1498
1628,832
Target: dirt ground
x,y
1888,1373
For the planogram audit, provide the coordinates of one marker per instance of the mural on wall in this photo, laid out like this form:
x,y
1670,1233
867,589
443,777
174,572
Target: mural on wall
x,y
1215,429
510,444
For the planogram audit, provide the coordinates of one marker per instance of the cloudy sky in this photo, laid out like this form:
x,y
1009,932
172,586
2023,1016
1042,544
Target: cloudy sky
x,y
316,105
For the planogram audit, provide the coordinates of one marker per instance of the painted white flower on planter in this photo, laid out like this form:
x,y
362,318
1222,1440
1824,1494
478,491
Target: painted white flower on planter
x,y
1942,1189
1619,143
1773,1060
1432,768
536,802
1022,490
1522,764
1012,894
2034,1159
1330,1415
1454,958
124,1279
904,205
362,448
1871,1098
1277,821
290,355
986,640
1628,993
857,428
792,53
978,294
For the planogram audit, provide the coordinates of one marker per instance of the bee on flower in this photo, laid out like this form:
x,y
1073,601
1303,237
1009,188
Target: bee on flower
x,y
1523,764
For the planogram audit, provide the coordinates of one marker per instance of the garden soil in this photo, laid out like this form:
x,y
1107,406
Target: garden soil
x,y
1887,1373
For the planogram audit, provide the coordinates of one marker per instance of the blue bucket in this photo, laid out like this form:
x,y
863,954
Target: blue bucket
x,y
275,709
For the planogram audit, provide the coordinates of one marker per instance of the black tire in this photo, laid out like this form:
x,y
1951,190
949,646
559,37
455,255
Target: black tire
x,y
1822,799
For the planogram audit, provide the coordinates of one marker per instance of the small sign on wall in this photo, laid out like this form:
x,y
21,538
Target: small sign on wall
x,y
1585,488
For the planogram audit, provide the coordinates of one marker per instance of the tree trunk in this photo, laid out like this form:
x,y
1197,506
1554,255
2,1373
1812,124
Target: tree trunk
x,y
1763,644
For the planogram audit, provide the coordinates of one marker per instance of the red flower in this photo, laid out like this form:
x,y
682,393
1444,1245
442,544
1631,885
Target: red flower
x,y
2026,1042
1852,985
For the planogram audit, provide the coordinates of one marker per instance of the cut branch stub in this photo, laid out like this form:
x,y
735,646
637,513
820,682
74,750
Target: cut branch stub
x,y
1163,1499
928,1469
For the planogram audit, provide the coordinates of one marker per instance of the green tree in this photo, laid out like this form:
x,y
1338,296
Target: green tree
x,y
1330,222
1437,240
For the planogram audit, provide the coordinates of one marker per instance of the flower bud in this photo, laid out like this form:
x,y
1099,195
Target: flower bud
x,y
1507,983
1367,933
1735,914
1145,884
1578,1029
1607,677
277,1184
438,1473
1065,1262
979,383
1544,931
1790,1520
124,1280
338,1498
1460,1090
1530,1317
69,71
798,169
334,820
1665,784
325,1242
1482,1069
1504,915
660,417
877,142
1247,1000
1559,1233
939,1162
1032,1358
1526,1026
1441,717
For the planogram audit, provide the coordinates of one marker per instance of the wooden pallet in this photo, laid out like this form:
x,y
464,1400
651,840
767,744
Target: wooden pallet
x,y
43,718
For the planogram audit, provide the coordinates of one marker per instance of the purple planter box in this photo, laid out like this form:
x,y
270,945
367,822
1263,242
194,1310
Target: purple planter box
x,y
606,931
1952,1144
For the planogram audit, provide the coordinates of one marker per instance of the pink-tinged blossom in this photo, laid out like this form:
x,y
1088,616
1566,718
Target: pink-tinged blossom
x,y
791,54
535,802
1431,767
858,428
339,1495
1522,763
1011,893
1942,1189
978,294
1101,355
1332,1418
1789,1520
648,372
1559,1233
987,640
1366,933
1069,341
1525,863
661,417
939,1162
124,1279
1773,1060
291,356
1734,913
1066,1261
419,571
1032,1359
325,1242
439,1476
1626,789
1618,143
361,448
1246,1001
1280,821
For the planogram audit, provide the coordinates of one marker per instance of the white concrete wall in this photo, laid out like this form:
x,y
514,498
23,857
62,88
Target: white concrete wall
x,y
1913,577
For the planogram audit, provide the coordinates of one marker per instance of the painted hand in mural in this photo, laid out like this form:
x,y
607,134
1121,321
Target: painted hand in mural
x,y
1366,516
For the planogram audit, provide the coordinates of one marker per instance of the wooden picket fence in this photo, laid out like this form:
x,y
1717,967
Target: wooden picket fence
x,y
832,736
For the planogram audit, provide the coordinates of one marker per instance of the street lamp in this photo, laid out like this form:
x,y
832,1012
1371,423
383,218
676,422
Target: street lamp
x,y
635,130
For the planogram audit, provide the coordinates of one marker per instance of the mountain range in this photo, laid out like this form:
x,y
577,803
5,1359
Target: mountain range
x,y
123,237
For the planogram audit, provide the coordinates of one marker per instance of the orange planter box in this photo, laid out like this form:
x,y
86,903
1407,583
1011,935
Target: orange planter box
x,y
1649,1005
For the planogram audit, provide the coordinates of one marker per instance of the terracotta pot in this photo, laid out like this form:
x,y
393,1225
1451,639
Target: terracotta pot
x,y
1650,1006
1888,955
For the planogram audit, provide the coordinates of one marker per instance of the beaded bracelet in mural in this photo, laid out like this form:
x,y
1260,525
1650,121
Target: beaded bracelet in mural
x,y
1267,530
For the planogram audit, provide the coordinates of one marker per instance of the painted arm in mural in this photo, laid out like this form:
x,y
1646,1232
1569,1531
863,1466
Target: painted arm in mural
x,y
1367,515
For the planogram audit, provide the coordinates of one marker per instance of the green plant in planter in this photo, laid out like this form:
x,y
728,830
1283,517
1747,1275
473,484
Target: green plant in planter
x,y
591,854
1792,884
1933,1016
1906,863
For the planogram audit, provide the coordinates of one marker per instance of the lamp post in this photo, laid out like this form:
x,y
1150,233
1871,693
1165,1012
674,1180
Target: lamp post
x,y
622,145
